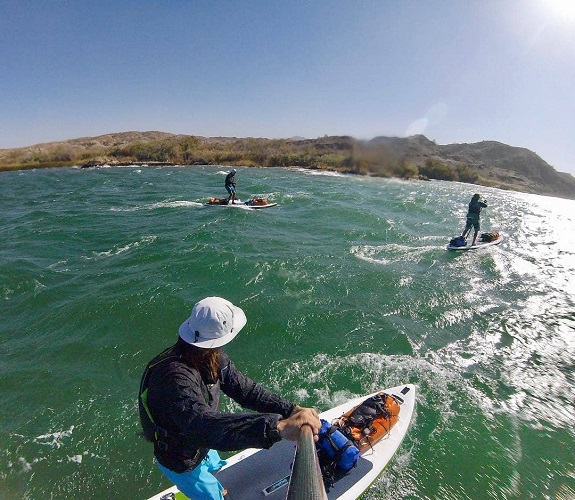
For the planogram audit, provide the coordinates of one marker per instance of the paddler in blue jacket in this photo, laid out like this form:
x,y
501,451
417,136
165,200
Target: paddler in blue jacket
x,y
472,219
179,398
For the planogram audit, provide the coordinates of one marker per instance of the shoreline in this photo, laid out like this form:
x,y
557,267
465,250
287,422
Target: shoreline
x,y
145,164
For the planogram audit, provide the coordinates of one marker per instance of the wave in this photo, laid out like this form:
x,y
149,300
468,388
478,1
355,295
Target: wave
x,y
324,173
117,250
157,205
390,253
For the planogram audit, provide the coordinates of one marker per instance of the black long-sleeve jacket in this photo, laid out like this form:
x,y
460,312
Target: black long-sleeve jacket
x,y
230,179
475,209
184,407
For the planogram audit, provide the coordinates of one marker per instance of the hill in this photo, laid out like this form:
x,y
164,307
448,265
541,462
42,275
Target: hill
x,y
487,163
495,164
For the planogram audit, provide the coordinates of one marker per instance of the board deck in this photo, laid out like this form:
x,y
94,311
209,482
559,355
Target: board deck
x,y
264,474
269,205
241,204
477,245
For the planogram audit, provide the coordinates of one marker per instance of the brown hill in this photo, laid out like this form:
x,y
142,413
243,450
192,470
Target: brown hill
x,y
488,163
496,164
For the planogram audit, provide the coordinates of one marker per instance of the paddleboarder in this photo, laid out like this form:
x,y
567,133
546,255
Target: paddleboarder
x,y
472,218
231,186
179,398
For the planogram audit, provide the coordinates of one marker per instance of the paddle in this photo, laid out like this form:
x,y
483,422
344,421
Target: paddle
x,y
306,481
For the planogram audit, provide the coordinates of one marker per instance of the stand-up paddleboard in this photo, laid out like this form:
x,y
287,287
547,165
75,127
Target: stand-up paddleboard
x,y
253,203
264,474
267,205
478,244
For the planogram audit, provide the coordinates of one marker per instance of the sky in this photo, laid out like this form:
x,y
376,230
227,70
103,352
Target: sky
x,y
456,71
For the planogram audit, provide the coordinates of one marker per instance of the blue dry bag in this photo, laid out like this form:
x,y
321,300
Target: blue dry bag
x,y
459,241
335,447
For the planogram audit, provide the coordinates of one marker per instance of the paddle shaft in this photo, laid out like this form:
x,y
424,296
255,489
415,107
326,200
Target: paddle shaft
x,y
306,481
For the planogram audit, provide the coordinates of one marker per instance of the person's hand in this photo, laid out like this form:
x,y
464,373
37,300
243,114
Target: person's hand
x,y
289,428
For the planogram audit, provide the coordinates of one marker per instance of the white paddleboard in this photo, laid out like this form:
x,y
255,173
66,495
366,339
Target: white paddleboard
x,y
269,205
264,474
478,244
241,204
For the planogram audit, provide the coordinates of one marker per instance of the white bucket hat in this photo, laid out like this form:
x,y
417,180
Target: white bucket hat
x,y
214,322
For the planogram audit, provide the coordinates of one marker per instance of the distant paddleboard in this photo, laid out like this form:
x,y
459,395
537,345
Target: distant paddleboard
x,y
478,244
255,203
268,205
265,474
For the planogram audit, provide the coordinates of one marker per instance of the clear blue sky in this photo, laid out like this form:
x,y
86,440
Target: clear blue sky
x,y
453,70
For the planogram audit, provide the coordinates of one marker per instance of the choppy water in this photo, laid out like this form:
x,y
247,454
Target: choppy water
x,y
347,288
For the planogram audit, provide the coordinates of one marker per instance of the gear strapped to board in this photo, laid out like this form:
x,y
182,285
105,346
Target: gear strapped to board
x,y
341,443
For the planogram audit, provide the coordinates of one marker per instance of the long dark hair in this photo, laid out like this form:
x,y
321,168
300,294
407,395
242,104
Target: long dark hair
x,y
207,361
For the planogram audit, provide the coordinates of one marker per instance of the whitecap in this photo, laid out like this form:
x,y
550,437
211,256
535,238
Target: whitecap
x,y
53,439
159,204
118,250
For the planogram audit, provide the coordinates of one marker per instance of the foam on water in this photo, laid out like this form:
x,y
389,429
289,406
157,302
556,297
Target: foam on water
x,y
161,204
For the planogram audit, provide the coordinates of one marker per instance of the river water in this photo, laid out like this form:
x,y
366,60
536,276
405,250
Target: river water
x,y
347,287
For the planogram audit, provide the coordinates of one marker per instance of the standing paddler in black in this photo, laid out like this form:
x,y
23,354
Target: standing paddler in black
x,y
472,218
231,186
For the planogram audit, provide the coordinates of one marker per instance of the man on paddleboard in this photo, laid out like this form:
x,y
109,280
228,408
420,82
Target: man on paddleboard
x,y
231,186
472,219
179,398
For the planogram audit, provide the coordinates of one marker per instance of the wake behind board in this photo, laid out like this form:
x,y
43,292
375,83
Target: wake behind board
x,y
264,474
479,244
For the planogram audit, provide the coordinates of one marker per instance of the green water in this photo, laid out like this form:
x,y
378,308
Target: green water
x,y
347,287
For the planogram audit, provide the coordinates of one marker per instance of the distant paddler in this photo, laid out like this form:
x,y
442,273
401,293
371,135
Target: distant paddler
x,y
472,218
231,186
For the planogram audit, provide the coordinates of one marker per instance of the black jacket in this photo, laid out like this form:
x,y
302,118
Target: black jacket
x,y
185,405
475,209
230,179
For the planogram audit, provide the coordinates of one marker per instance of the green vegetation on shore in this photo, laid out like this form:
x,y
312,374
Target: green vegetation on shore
x,y
342,154
487,163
